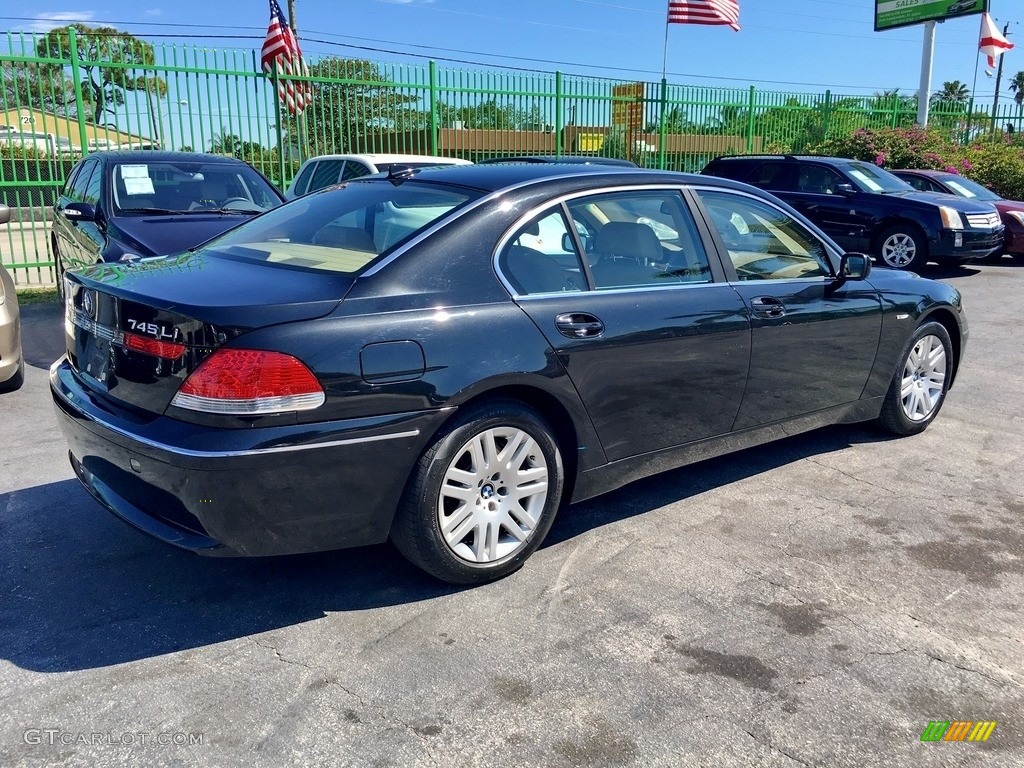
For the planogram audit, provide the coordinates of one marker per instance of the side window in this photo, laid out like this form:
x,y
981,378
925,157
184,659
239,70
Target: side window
x,y
764,243
817,179
641,238
71,180
918,183
541,257
773,175
327,173
303,181
353,170
92,190
81,181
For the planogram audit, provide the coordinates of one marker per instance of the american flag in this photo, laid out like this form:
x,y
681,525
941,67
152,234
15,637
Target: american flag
x,y
705,12
281,46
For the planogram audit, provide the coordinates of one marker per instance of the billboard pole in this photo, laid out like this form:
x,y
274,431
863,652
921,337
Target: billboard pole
x,y
925,88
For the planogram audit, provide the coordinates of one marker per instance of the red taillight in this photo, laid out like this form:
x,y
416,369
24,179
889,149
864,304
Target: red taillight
x,y
250,381
171,350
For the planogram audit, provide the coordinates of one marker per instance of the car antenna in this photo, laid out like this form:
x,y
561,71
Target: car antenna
x,y
399,173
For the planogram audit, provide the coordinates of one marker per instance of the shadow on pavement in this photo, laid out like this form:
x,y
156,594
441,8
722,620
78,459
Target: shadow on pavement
x,y
83,590
42,333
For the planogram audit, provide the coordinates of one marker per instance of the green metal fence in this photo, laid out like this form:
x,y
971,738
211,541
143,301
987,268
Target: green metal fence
x,y
63,95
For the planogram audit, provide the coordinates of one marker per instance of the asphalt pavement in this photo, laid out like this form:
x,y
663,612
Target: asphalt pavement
x,y
817,601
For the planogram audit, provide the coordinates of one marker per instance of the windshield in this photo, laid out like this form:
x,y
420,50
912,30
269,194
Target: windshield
x,y
967,188
143,186
871,178
342,229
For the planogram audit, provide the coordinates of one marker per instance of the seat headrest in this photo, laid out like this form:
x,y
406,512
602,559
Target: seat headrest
x,y
628,239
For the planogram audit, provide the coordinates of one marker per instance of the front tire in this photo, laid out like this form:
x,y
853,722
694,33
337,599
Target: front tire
x,y
919,386
902,247
483,496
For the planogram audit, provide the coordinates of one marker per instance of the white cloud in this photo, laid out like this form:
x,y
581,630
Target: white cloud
x,y
44,22
154,12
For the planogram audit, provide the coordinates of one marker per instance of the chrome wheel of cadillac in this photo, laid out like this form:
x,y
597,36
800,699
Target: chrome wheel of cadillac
x,y
493,495
924,378
899,250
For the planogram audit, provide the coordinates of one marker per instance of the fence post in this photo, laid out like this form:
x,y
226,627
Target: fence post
x,y
275,83
559,122
662,128
432,68
826,117
751,103
76,78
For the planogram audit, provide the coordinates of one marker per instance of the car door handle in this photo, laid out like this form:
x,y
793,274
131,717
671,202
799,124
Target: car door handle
x,y
579,325
767,306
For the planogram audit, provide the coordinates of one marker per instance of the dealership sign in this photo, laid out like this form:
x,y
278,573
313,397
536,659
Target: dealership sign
x,y
890,14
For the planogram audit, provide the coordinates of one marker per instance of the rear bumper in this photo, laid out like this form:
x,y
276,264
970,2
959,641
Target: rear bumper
x,y
973,244
255,492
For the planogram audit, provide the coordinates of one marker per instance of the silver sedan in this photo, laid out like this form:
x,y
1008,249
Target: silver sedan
x,y
12,362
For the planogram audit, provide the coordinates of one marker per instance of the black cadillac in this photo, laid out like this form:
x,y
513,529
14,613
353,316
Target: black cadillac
x,y
446,357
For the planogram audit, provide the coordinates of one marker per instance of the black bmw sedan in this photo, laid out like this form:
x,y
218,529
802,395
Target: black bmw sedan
x,y
123,206
447,357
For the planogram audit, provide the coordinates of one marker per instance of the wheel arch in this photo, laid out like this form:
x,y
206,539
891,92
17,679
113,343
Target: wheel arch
x,y
550,407
947,319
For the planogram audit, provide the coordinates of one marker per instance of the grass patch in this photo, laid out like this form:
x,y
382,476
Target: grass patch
x,y
37,296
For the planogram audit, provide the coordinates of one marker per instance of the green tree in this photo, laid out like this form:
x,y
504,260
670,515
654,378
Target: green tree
x,y
953,93
111,61
36,86
352,104
1017,88
489,115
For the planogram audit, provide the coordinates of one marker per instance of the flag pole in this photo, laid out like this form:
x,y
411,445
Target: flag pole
x,y
664,60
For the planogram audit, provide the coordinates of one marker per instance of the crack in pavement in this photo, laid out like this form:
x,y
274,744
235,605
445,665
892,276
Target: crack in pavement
x,y
327,679
767,743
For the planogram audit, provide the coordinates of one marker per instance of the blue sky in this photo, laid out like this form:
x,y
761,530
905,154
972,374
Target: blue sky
x,y
799,45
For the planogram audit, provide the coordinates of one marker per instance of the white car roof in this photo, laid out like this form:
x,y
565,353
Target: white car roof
x,y
374,158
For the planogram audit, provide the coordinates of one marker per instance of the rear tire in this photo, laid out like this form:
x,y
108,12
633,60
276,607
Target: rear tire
x,y
902,246
483,496
920,383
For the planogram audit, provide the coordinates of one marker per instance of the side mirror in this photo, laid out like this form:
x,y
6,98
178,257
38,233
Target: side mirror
x,y
845,189
854,266
5,214
79,211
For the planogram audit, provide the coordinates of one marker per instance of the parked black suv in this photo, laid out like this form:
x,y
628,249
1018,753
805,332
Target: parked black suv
x,y
865,208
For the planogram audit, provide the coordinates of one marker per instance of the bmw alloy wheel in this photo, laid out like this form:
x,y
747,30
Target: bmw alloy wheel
x,y
493,495
924,378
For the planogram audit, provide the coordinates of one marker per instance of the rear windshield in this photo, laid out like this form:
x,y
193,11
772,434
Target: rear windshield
x,y
343,229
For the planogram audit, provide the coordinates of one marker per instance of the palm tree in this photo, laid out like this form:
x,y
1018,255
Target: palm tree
x,y
1017,88
953,92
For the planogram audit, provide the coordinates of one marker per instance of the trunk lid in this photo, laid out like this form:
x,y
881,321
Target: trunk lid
x,y
135,332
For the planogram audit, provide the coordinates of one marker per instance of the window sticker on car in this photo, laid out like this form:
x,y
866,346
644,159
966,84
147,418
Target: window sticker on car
x,y
863,178
961,189
136,180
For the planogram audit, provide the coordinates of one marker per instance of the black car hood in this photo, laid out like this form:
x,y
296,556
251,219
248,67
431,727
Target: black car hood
x,y
163,234
937,198
220,290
